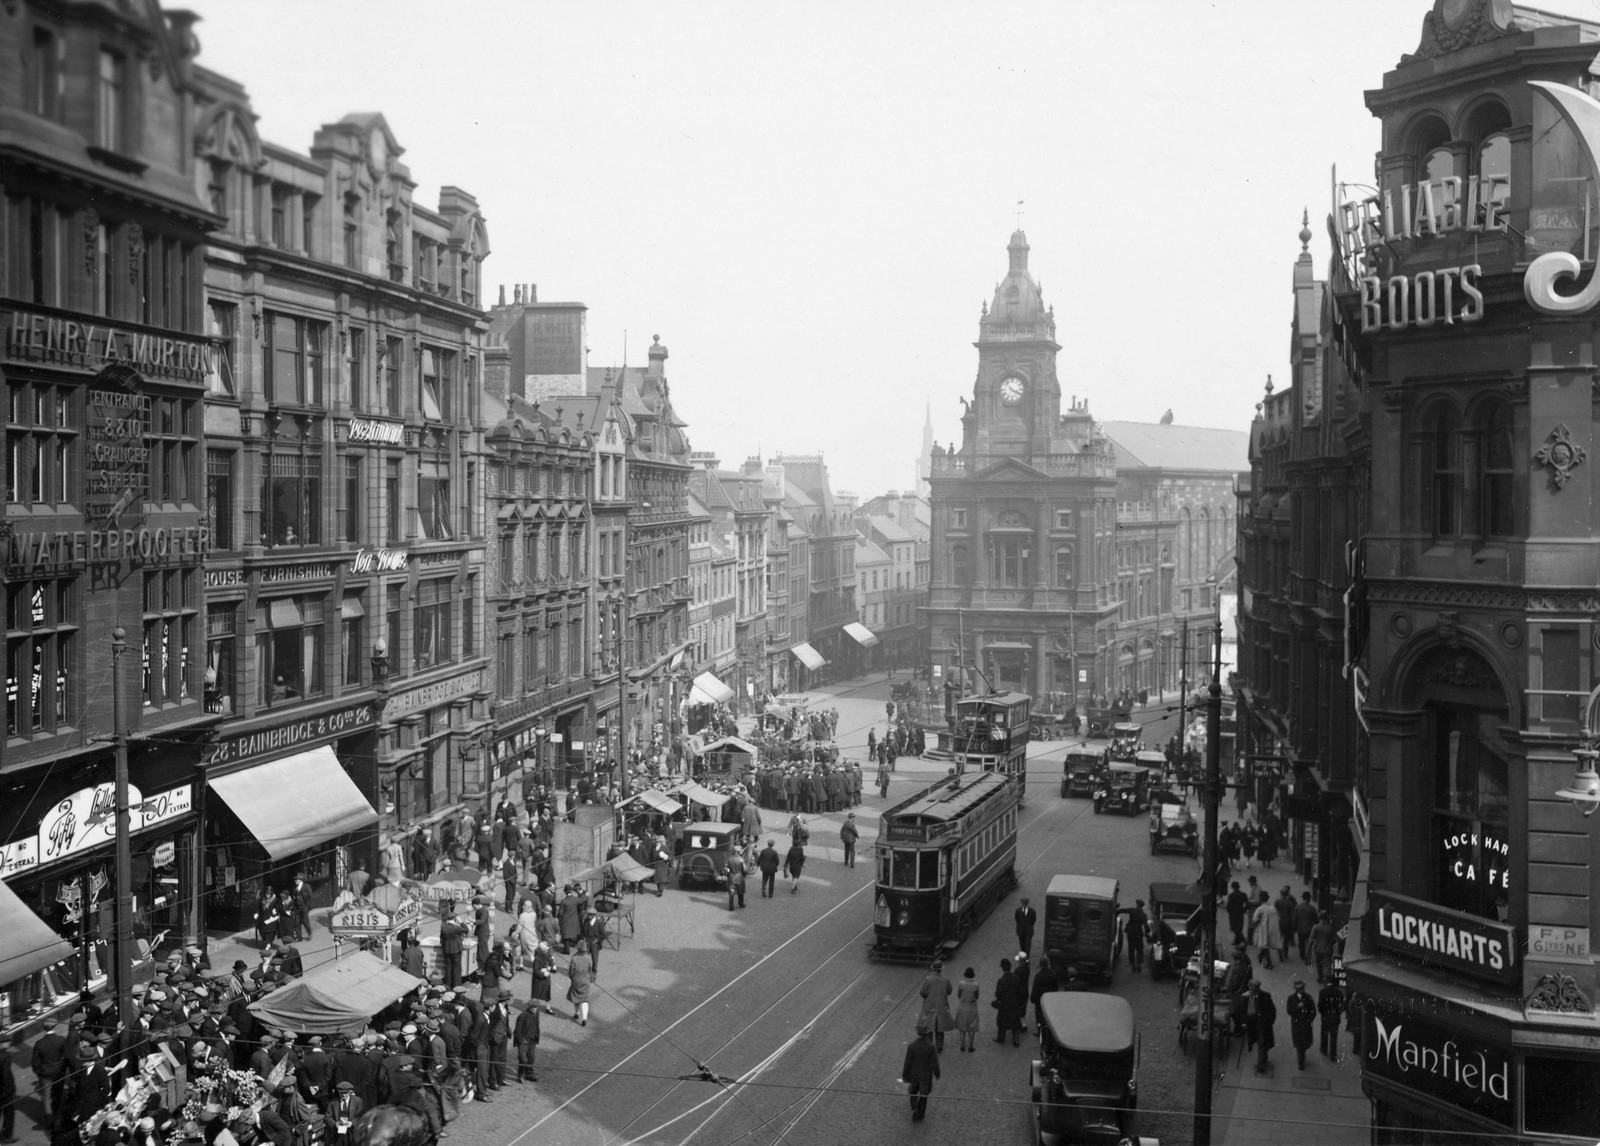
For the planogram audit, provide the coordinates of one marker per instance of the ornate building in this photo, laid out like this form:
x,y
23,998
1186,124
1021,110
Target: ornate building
x,y
344,601
1024,515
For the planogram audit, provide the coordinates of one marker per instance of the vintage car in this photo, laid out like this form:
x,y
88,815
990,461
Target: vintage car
x,y
702,851
1085,1082
1123,788
1127,737
1080,769
1173,907
1172,825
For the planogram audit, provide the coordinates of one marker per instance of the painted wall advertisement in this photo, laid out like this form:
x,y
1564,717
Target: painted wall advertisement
x,y
1438,1061
88,818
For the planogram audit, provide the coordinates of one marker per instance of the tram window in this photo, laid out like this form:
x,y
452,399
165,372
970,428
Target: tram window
x,y
929,874
904,873
884,867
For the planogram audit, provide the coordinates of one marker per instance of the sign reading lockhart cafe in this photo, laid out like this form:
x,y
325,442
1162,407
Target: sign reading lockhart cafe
x,y
1454,940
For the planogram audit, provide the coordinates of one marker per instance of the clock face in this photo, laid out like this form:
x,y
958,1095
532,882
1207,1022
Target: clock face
x,y
1011,391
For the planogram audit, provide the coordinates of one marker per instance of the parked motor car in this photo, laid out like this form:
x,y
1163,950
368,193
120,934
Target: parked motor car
x,y
1085,1082
702,851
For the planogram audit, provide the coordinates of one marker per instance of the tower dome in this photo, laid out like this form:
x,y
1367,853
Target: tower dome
x,y
1017,299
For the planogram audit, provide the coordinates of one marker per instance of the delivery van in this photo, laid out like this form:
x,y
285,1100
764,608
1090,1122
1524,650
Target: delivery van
x,y
1080,926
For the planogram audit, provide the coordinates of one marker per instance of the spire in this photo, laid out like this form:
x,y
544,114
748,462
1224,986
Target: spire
x,y
1305,229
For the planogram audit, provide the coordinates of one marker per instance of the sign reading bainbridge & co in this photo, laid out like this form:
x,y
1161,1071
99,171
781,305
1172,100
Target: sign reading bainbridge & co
x,y
1438,1061
1453,940
295,734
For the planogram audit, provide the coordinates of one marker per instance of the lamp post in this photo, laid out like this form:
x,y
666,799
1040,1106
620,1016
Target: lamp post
x,y
124,936
1208,910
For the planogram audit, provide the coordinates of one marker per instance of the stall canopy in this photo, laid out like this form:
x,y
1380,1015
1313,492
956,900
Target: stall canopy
x,y
297,802
733,744
658,801
26,942
700,794
339,998
862,635
808,656
624,867
709,690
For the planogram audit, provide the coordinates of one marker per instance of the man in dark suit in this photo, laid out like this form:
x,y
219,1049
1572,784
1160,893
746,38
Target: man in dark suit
x,y
50,1068
261,1061
451,937
344,1110
526,1037
315,1076
920,1069
289,959
1026,918
769,862
94,1083
352,1067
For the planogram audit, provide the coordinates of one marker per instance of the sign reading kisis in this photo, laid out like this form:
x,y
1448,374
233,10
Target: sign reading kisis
x,y
1436,1061
1452,939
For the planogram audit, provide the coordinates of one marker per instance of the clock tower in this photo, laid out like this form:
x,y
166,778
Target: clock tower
x,y
1022,511
1016,407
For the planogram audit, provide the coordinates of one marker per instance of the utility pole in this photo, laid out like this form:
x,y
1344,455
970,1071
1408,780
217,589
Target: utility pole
x,y
1208,909
626,785
124,938
1183,693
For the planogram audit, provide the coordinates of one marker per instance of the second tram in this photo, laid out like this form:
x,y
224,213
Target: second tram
x,y
946,856
991,734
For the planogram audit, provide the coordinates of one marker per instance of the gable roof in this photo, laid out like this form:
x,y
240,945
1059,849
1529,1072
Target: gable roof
x,y
869,554
1148,445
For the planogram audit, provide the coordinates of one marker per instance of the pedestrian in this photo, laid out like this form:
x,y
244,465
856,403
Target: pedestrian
x,y
493,973
594,936
527,933
1236,904
792,864
571,919
581,972
452,936
1011,1004
1026,918
1284,906
1262,1015
509,873
1320,942
1138,932
499,1039
967,991
736,873
919,1070
544,967
8,1090
769,863
883,779
1044,981
1305,918
936,1016
1330,1006
1302,1011
300,895
49,1063
483,926
412,960
1248,840
662,863
1264,931
848,835
526,1037
266,918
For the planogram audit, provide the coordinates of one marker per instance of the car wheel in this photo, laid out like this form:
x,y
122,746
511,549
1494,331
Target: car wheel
x,y
1063,791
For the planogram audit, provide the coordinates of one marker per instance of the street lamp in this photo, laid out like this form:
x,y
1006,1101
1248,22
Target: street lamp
x,y
1583,792
380,662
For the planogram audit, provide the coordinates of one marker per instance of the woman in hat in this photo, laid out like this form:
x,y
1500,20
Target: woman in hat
x,y
792,864
967,992
266,918
527,933
581,971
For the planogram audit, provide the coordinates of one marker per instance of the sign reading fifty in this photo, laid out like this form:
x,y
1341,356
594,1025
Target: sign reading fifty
x,y
88,818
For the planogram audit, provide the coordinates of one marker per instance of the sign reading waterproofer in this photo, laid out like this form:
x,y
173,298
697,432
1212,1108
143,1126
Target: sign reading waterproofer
x,y
1450,939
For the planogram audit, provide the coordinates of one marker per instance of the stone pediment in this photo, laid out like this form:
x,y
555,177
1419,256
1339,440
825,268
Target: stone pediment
x,y
1010,469
1457,24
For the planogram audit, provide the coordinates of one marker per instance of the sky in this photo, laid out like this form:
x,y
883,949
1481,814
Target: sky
x,y
810,202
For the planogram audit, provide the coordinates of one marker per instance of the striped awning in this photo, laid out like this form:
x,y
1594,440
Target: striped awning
x,y
808,656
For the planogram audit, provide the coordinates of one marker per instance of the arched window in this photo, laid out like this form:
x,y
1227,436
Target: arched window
x,y
1064,567
1495,485
960,566
1442,472
1494,171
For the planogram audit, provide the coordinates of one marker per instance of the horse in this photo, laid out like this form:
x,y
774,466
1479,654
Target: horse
x,y
411,1122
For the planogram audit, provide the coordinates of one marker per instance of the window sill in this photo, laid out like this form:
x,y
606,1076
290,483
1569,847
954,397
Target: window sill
x,y
124,163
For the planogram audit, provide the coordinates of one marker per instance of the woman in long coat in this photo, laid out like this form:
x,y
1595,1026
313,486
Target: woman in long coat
x,y
544,970
1265,931
527,934
936,1016
581,971
967,992
267,918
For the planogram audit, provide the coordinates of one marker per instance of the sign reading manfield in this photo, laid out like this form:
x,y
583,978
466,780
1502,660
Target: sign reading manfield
x,y
1439,1062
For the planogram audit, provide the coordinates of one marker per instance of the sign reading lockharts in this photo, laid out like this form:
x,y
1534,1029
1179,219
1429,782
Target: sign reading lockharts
x,y
1439,1062
1450,939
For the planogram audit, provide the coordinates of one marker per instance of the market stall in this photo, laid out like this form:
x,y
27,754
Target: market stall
x,y
619,879
376,920
339,998
647,811
702,797
728,760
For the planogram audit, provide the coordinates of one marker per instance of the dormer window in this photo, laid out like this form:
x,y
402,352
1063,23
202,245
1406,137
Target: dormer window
x,y
111,125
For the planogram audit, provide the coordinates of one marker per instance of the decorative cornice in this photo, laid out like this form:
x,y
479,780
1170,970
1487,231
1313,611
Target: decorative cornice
x,y
1559,994
1560,455
1453,26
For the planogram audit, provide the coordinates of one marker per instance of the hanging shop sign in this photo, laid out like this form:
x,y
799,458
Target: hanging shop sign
x,y
361,919
1449,939
1442,297
60,550
1438,1061
370,430
40,335
88,818
296,734
458,884
431,694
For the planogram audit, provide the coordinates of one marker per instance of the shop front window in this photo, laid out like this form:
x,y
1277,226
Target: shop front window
x,y
1471,817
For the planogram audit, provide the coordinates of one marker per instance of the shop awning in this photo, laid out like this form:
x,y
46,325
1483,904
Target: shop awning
x,y
624,867
297,802
658,801
808,656
26,942
709,690
338,998
862,635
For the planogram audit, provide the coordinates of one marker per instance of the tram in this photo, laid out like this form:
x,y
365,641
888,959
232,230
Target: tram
x,y
991,735
946,856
